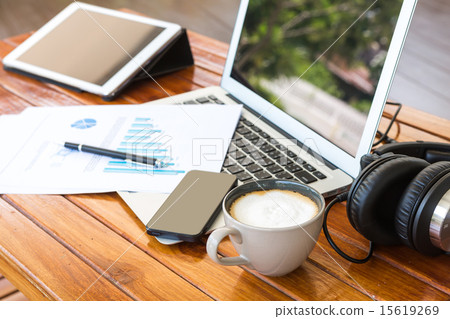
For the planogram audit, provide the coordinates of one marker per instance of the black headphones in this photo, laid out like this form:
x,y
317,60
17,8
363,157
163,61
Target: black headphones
x,y
401,196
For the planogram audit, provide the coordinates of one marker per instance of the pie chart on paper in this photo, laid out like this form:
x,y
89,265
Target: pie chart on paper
x,y
84,124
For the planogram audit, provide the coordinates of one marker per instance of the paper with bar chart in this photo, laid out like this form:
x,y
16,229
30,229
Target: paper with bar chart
x,y
183,138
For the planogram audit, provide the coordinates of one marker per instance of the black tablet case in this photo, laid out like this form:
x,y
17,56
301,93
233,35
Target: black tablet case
x,y
174,56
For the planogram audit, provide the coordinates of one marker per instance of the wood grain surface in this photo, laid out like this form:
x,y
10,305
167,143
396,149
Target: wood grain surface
x,y
93,247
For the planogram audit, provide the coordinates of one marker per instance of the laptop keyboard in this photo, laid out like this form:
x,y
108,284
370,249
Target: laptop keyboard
x,y
253,154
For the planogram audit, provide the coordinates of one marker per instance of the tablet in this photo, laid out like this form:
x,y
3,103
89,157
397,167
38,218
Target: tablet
x,y
91,48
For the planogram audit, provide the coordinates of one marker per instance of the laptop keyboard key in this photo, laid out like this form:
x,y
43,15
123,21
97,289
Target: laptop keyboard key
x,y
283,161
265,162
240,143
262,175
309,167
319,175
247,122
246,161
274,169
234,169
293,168
284,175
252,136
253,168
256,129
228,162
237,137
238,155
274,154
249,148
267,148
203,100
243,176
305,177
291,154
243,130
257,155
258,141
190,102
281,147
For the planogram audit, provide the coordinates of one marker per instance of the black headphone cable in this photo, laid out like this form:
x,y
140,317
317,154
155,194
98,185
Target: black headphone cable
x,y
338,199
384,136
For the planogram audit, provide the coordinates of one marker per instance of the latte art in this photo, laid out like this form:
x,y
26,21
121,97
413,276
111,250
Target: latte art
x,y
273,209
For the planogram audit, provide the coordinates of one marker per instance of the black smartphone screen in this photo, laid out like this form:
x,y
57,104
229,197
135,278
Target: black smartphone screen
x,y
192,207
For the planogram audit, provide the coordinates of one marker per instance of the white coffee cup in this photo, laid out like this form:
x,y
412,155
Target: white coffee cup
x,y
270,251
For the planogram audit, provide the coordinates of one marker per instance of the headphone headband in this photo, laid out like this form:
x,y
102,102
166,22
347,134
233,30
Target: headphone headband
x,y
429,151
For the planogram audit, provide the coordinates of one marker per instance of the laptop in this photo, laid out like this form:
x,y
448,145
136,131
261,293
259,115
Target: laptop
x,y
313,79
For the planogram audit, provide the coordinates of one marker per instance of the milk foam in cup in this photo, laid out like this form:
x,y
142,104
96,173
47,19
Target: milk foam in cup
x,y
273,225
273,208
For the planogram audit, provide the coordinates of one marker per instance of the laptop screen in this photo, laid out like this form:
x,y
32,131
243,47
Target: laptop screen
x,y
318,61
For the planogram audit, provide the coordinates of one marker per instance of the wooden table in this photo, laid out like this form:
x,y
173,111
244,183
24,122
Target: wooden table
x,y
92,247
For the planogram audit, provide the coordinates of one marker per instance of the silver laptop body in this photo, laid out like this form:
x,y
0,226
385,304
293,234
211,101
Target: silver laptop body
x,y
314,80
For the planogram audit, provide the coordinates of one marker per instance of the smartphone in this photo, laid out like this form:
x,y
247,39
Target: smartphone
x,y
192,207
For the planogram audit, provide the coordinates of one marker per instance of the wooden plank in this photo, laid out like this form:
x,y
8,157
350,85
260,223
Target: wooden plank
x,y
308,282
428,269
428,123
50,273
168,85
10,103
111,255
17,39
386,283
207,60
377,278
189,260
6,288
25,87
194,266
214,47
199,76
408,133
17,296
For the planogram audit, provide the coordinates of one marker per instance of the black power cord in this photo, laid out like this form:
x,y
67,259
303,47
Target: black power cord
x,y
343,197
338,199
384,136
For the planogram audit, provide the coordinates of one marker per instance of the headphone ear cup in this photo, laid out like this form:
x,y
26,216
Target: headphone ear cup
x,y
407,210
375,194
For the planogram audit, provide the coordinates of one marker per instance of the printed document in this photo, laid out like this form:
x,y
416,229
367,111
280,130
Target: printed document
x,y
183,137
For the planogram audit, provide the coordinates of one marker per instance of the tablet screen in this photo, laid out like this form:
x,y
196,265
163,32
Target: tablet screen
x,y
90,46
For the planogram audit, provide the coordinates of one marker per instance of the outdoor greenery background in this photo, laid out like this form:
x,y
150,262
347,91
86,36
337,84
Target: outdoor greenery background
x,y
307,30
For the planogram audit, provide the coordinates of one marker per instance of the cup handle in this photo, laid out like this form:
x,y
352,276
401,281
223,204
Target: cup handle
x,y
213,243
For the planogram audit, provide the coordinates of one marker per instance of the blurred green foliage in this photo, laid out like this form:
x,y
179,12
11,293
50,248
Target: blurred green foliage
x,y
286,37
